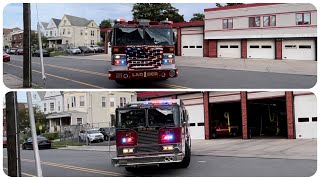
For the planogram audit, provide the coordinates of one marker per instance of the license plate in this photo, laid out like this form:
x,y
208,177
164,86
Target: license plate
x,y
144,74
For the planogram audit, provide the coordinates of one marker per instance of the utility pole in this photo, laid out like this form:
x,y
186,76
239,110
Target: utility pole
x,y
27,71
13,151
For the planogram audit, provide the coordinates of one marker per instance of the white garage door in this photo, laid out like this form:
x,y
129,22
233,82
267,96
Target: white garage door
x,y
305,112
229,49
192,45
196,120
264,49
299,49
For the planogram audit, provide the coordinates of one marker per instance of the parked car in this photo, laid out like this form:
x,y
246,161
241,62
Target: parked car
x,y
91,135
108,132
74,50
43,143
97,48
6,57
45,53
13,50
4,141
85,49
19,52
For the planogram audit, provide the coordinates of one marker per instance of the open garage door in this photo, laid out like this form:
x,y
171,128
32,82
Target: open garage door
x,y
305,112
267,118
264,49
229,48
192,45
299,49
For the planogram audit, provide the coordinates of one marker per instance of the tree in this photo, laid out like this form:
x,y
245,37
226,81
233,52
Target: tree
x,y
35,41
24,120
227,4
197,17
156,12
106,23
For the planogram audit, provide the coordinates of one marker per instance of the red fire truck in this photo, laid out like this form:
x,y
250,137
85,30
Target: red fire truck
x,y
142,50
152,133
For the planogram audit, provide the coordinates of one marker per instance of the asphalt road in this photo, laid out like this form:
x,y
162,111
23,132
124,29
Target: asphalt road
x,y
68,163
72,73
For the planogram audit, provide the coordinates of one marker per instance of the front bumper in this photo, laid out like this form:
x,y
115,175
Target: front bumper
x,y
147,160
142,74
95,138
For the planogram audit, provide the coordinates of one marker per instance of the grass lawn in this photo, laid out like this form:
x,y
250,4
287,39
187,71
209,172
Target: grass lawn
x,y
60,144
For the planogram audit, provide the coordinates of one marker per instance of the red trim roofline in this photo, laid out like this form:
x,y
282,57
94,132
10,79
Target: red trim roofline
x,y
188,24
239,6
105,29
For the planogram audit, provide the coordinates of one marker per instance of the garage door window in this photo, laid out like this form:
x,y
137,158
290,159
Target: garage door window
x,y
266,46
303,119
234,46
254,21
303,18
192,46
192,124
290,46
200,124
199,46
223,46
254,46
305,47
185,47
314,119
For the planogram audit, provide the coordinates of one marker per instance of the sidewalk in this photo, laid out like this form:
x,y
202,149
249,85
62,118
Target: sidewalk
x,y
256,148
12,82
260,65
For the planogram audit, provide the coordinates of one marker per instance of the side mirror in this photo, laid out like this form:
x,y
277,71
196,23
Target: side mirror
x,y
175,37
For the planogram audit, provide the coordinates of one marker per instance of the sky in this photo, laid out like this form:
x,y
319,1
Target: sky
x,y
12,14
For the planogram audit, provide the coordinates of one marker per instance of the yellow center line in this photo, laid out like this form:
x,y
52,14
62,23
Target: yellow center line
x,y
77,168
26,174
104,74
59,77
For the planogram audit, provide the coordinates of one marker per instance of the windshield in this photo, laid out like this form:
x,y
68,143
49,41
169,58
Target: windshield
x,y
157,116
139,36
93,131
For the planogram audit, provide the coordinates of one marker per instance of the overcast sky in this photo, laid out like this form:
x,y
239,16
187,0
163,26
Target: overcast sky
x,y
12,16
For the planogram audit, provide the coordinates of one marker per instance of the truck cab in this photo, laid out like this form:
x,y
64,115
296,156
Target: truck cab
x,y
152,133
142,50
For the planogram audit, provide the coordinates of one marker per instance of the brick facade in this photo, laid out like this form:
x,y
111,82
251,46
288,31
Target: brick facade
x,y
244,113
106,42
212,48
179,42
17,40
278,49
205,48
244,48
206,115
290,117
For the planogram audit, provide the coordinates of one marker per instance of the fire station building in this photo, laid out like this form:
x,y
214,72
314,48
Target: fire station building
x,y
252,31
254,114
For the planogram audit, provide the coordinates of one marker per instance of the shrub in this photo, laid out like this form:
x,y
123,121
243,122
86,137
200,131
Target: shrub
x,y
51,136
51,49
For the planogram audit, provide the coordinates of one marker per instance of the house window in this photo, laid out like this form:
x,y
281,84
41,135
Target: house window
x,y
103,102
123,101
50,33
303,18
81,100
59,106
64,22
269,21
113,119
63,31
81,32
69,31
111,102
92,24
254,21
92,42
46,33
73,101
68,105
79,121
227,23
51,107
44,107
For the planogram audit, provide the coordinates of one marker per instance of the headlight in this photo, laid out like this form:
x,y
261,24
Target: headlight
x,y
127,150
167,56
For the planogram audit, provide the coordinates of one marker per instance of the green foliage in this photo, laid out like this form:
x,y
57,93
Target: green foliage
x,y
156,12
100,44
106,23
51,136
35,41
24,120
59,144
227,4
197,17
50,49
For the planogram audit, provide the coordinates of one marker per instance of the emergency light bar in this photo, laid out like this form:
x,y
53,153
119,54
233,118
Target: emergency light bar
x,y
120,20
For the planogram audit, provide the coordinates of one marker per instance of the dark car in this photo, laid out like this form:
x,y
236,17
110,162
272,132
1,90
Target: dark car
x,y
12,50
4,141
6,57
43,143
19,52
85,49
108,132
44,52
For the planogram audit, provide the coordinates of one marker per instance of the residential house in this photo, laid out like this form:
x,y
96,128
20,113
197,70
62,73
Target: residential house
x,y
17,39
43,28
52,32
93,109
7,35
77,31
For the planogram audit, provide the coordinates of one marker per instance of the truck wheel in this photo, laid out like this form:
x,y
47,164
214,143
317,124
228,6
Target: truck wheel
x,y
214,135
121,82
186,160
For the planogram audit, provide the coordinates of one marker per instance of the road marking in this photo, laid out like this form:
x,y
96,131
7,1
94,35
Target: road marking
x,y
202,161
104,74
59,77
26,174
77,168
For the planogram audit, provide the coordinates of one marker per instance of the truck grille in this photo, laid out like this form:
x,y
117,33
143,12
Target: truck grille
x,y
148,137
144,57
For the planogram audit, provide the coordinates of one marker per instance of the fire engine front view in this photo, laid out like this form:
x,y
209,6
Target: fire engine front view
x,y
142,49
152,133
